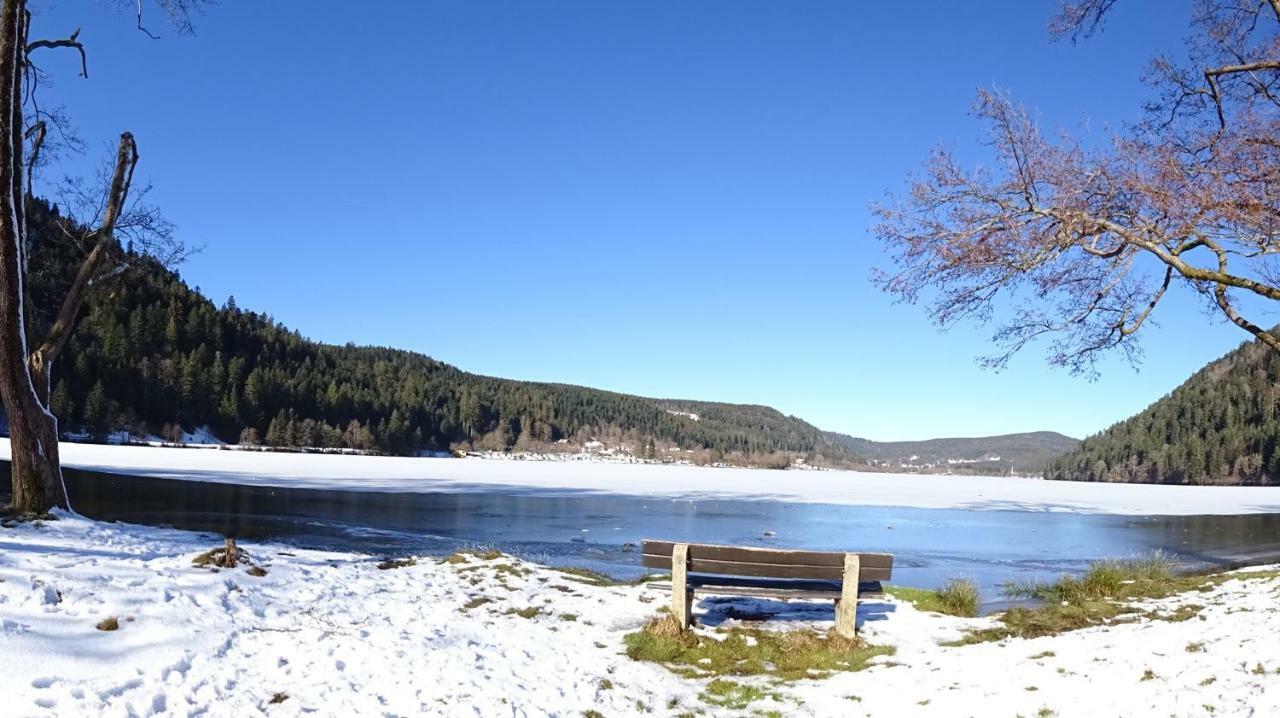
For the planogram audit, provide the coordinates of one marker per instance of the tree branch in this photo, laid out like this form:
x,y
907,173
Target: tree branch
x,y
69,42
42,358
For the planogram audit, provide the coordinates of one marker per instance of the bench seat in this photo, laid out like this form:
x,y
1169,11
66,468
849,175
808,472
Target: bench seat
x,y
771,588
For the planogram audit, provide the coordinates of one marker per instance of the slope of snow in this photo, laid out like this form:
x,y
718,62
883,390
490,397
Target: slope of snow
x,y
330,634
379,473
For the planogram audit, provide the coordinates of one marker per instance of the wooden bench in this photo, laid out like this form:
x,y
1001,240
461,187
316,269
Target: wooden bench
x,y
767,572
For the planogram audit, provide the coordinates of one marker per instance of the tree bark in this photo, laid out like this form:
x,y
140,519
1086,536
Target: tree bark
x,y
34,467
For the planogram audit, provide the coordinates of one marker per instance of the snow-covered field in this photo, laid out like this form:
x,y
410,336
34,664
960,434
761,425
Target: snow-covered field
x,y
377,473
330,634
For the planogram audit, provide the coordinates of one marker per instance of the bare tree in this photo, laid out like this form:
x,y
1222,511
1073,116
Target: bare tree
x,y
26,361
1089,241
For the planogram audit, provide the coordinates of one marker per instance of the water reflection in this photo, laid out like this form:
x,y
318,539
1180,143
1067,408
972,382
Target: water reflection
x,y
600,531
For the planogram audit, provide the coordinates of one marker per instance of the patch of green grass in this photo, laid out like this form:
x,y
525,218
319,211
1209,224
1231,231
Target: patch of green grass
x,y
728,694
586,575
788,655
568,617
595,578
958,597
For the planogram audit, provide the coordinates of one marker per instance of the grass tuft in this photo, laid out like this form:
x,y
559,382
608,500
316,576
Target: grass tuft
x,y
1145,577
958,597
110,623
466,554
1101,595
530,612
787,655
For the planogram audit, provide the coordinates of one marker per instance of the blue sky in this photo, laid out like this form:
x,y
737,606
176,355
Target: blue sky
x,y
669,199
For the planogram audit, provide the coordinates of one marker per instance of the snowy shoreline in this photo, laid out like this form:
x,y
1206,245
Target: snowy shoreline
x,y
397,474
330,634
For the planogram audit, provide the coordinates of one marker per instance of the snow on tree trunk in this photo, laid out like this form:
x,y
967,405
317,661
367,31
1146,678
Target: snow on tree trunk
x,y
35,469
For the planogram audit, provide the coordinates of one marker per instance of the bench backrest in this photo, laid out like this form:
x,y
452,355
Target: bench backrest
x,y
768,562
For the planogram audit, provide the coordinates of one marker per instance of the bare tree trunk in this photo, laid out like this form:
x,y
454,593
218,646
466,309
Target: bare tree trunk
x,y
35,469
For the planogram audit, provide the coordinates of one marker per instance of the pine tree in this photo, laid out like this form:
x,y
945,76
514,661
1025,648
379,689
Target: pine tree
x,y
96,410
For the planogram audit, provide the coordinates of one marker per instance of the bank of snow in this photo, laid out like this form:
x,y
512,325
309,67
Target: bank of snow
x,y
332,634
381,473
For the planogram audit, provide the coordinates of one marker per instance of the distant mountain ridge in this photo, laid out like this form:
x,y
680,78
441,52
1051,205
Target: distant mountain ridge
x,y
1022,453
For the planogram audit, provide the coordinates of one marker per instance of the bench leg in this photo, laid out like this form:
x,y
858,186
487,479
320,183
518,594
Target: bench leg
x,y
847,604
681,596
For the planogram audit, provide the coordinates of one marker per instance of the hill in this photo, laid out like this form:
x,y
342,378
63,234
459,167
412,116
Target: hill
x,y
1221,426
157,357
1025,453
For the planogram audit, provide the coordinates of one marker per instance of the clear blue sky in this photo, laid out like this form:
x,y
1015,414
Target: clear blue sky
x,y
662,198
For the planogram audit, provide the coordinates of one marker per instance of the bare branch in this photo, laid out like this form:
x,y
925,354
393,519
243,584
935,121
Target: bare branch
x,y
71,42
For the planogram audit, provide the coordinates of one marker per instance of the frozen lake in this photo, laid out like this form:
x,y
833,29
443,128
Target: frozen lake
x,y
989,538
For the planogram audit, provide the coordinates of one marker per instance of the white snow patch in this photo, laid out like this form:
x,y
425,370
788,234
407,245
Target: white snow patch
x,y
337,636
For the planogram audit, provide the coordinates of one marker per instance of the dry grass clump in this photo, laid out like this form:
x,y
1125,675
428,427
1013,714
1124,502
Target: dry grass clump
x,y
226,556
466,554
108,624
390,563
529,612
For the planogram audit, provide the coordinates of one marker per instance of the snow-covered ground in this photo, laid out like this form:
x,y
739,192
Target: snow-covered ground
x,y
330,634
379,473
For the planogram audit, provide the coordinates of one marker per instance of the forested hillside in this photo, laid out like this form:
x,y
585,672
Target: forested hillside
x,y
1025,453
156,356
1222,426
